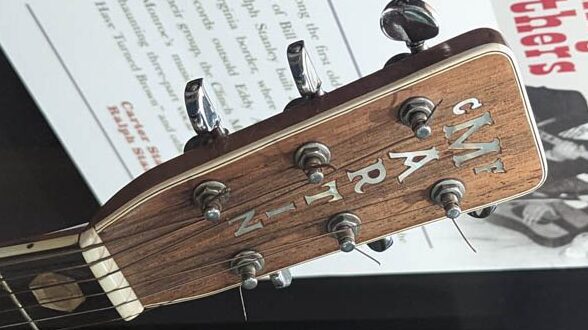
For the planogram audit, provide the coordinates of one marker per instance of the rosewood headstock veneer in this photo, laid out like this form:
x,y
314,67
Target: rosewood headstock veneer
x,y
435,133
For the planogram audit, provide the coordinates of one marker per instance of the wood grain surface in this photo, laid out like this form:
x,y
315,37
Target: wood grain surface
x,y
169,253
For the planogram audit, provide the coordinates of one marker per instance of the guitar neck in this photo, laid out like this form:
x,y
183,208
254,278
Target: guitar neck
x,y
51,284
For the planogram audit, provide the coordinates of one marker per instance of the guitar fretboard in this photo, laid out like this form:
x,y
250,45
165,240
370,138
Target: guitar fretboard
x,y
51,289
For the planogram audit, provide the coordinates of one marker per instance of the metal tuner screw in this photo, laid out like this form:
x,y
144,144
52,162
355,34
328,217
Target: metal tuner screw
x,y
311,157
247,264
205,120
381,245
411,21
449,193
210,196
281,279
415,113
345,228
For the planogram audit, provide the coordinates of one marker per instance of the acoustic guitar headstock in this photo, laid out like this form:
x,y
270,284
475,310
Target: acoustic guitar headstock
x,y
435,133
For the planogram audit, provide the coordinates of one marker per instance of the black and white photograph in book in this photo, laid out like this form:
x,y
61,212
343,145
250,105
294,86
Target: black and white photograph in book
x,y
556,215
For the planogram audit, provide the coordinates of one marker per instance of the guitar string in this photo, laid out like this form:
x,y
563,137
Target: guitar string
x,y
128,265
190,270
243,302
26,259
304,241
197,233
225,261
95,246
40,320
191,222
329,234
103,322
154,293
98,245
110,307
158,305
463,235
59,284
205,276
402,140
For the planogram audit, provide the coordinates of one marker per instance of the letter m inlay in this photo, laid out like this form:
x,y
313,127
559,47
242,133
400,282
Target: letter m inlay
x,y
480,148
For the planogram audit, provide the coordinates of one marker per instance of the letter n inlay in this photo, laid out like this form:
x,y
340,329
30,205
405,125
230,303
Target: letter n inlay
x,y
246,225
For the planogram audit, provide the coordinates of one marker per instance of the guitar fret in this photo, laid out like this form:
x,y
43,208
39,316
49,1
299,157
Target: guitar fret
x,y
18,304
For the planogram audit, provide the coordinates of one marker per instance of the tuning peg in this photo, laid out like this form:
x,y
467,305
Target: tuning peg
x,y
205,120
311,157
483,213
305,76
246,264
411,21
449,193
345,228
281,279
210,197
415,113
381,245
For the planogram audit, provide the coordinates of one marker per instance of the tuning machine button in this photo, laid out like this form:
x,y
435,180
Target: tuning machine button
x,y
205,120
415,113
281,279
449,193
381,245
483,213
311,158
345,228
210,196
304,73
247,264
411,21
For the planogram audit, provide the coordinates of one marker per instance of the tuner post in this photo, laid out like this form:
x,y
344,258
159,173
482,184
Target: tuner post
x,y
415,113
311,158
247,264
210,196
483,213
381,245
345,228
449,193
281,279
